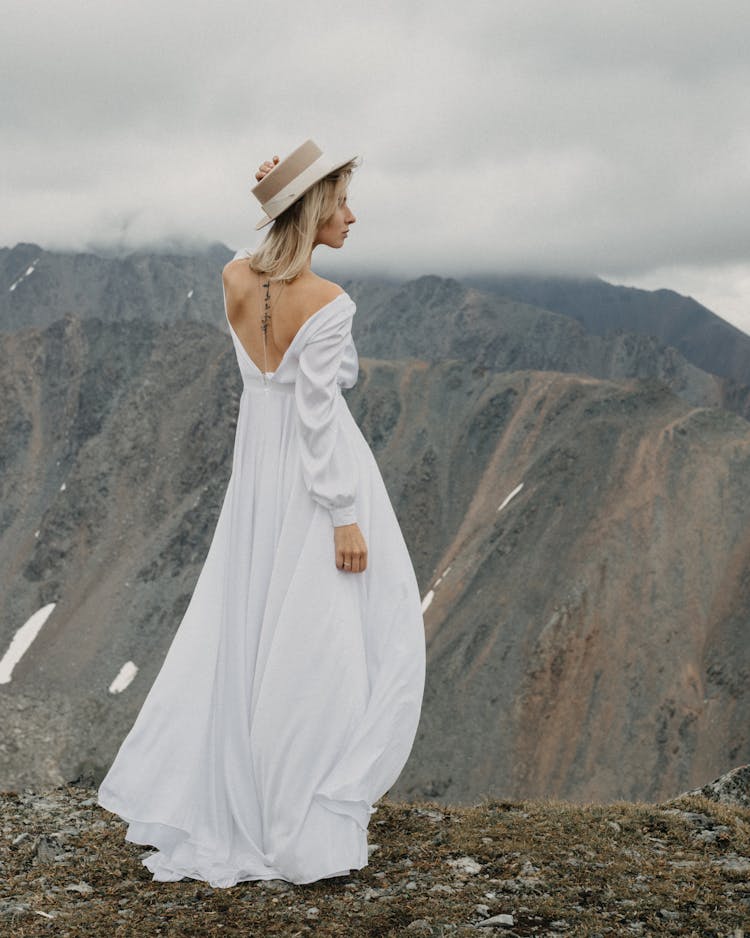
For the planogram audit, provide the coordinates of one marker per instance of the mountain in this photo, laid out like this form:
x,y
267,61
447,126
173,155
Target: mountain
x,y
42,286
436,318
580,543
587,627
704,338
431,318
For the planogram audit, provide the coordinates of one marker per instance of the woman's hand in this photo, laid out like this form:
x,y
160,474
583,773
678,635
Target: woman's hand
x,y
350,548
266,168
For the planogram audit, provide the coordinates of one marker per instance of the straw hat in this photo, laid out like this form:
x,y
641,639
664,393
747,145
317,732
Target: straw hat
x,y
291,178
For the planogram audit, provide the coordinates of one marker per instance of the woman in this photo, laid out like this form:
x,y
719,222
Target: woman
x,y
289,699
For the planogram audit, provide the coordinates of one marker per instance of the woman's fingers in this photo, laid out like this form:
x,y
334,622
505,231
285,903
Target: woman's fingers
x,y
352,562
266,168
342,558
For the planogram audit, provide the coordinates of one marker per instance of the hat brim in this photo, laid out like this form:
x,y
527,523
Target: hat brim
x,y
266,220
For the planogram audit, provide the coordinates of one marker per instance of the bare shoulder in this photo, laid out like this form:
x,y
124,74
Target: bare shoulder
x,y
237,273
238,263
322,292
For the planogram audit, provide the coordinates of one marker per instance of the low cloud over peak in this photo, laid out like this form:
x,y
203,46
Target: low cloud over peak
x,y
574,138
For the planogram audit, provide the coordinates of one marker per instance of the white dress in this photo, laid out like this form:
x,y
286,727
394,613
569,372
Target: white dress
x,y
289,699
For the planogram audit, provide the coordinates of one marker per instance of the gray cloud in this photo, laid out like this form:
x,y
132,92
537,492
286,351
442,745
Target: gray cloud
x,y
580,137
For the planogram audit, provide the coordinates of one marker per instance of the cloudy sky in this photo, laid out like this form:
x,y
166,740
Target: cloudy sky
x,y
548,135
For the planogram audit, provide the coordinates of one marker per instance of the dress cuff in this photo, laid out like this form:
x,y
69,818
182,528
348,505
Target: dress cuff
x,y
345,515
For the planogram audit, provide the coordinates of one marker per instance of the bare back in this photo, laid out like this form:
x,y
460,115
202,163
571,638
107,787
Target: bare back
x,y
290,308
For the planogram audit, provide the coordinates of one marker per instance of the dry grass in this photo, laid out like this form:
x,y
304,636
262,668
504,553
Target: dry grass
x,y
557,868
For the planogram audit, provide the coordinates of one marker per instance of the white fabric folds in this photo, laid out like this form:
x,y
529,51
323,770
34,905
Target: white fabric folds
x,y
328,465
289,699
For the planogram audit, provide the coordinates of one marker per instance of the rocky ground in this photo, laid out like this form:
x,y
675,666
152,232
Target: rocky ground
x,y
499,867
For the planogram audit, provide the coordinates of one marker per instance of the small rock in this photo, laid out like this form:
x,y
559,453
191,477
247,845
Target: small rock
x,y
420,926
465,865
482,909
276,885
84,888
371,848
432,815
501,919
711,836
529,882
371,893
10,909
312,912
441,887
45,850
734,864
692,817
510,885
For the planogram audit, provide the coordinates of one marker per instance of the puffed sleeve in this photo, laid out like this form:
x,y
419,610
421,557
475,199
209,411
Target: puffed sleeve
x,y
328,465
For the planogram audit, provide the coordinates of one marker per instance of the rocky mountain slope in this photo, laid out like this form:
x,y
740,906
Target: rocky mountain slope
x,y
38,287
589,627
435,319
431,318
701,336
581,546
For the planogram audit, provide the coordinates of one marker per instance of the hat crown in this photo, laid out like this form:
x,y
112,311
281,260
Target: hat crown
x,y
291,178
285,172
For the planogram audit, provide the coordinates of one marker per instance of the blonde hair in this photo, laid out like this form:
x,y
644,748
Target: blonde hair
x,y
285,251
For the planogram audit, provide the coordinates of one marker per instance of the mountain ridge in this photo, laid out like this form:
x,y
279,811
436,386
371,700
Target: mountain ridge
x,y
110,498
430,317
703,337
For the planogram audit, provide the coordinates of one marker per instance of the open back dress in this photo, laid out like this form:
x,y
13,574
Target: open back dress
x,y
289,699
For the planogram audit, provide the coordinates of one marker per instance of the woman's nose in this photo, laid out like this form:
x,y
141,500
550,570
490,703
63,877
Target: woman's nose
x,y
352,217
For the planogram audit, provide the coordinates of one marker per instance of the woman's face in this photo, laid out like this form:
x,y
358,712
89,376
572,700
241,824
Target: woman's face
x,y
334,232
